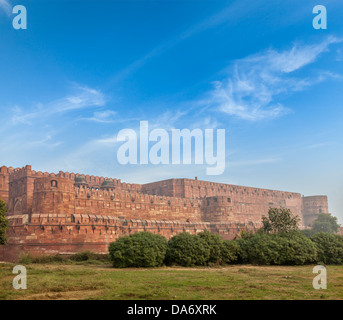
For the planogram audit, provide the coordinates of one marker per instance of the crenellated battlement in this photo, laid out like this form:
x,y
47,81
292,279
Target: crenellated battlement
x,y
38,192
19,173
4,182
6,170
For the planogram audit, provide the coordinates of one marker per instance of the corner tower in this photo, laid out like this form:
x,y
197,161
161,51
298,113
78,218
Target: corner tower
x,y
312,207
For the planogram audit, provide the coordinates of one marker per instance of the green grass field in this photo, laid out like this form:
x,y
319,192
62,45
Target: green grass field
x,y
101,281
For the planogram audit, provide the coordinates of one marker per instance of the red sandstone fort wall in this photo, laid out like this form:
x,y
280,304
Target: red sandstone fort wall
x,y
241,203
66,213
21,191
60,196
4,180
95,182
171,188
68,234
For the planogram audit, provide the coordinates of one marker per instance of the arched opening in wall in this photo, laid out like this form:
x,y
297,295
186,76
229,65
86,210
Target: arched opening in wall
x,y
54,183
18,207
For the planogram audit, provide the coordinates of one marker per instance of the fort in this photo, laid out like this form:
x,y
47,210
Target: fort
x,y
66,212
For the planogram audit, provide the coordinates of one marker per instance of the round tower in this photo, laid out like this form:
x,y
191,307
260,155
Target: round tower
x,y
53,195
312,207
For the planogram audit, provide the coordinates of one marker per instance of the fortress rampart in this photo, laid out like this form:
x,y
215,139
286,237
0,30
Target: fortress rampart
x,y
66,212
312,207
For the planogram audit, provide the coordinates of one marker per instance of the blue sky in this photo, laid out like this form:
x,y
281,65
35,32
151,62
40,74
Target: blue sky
x,y
83,70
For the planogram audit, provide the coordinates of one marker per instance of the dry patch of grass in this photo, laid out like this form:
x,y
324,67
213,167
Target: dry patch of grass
x,y
64,281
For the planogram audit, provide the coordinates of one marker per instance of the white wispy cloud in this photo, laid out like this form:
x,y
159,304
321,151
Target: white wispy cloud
x,y
82,98
6,7
89,155
295,58
166,120
106,116
102,149
46,142
318,145
251,90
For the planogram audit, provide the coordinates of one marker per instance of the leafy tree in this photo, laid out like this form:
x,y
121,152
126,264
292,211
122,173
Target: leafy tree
x,y
187,250
215,243
230,251
325,223
141,249
330,247
3,222
280,220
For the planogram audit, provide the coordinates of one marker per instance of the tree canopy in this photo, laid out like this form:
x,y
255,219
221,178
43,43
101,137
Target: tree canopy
x,y
325,222
280,220
3,222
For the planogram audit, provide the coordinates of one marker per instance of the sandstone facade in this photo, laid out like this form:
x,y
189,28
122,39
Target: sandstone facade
x,y
66,212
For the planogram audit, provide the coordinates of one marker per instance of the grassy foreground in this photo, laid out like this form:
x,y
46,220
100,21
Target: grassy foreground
x,y
101,281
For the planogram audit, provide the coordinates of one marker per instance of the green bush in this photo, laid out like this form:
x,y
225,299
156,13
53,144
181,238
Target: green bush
x,y
187,250
230,251
277,249
308,233
25,258
259,248
215,243
142,249
297,250
40,258
330,247
85,256
3,222
88,256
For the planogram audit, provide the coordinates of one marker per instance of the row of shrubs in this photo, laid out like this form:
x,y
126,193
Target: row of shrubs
x,y
80,257
291,248
145,249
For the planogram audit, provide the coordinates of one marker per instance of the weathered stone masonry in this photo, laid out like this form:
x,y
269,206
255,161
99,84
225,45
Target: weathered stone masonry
x,y
66,212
